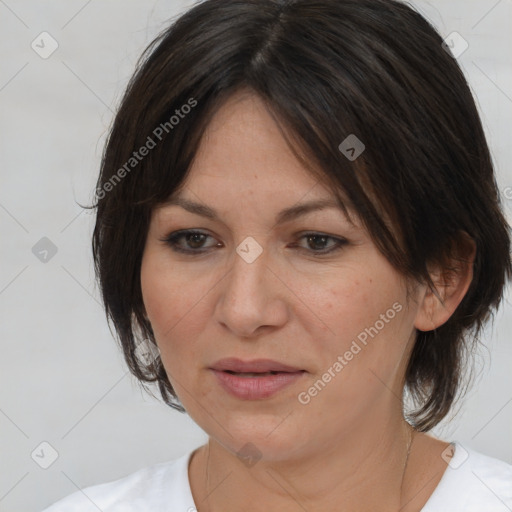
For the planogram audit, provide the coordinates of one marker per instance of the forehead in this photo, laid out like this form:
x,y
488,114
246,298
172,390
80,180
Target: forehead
x,y
245,163
243,145
243,153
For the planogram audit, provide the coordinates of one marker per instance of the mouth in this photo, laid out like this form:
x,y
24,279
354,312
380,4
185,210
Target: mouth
x,y
253,374
254,380
255,366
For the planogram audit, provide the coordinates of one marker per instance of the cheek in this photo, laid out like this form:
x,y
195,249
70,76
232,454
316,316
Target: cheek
x,y
162,293
351,305
156,294
369,326
176,307
361,363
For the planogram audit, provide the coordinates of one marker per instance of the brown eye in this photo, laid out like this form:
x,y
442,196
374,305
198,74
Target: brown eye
x,y
318,243
193,242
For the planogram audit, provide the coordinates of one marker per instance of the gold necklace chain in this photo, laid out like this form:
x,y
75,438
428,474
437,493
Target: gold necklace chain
x,y
411,435
410,429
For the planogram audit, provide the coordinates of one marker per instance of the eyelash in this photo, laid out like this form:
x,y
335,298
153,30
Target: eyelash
x,y
172,241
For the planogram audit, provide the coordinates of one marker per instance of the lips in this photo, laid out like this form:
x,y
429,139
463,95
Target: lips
x,y
254,380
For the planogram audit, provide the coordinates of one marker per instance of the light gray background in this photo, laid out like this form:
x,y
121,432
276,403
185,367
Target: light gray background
x,y
63,379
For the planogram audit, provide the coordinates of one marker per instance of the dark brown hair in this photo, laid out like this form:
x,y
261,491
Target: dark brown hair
x,y
326,69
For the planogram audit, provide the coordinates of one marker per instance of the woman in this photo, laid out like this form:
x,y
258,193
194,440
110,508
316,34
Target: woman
x,y
297,214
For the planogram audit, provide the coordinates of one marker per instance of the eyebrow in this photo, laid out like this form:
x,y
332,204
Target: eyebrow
x,y
286,215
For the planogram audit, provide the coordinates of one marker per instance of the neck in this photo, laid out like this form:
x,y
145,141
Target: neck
x,y
363,470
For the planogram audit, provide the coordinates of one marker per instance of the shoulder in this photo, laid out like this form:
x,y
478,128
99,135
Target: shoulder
x,y
473,482
151,488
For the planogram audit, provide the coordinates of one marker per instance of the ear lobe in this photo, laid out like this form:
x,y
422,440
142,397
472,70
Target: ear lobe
x,y
451,282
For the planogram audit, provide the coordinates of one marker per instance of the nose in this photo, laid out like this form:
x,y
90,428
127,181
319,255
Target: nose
x,y
252,297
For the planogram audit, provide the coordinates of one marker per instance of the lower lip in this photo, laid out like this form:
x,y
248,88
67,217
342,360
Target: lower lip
x,y
256,388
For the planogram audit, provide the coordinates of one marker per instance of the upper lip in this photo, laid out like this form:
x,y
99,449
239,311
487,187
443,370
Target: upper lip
x,y
256,365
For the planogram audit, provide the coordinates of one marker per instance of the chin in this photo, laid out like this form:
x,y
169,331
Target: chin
x,y
260,438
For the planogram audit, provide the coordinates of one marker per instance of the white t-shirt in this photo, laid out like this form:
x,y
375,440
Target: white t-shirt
x,y
472,482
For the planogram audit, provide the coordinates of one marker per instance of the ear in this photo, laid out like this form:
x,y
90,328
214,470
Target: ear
x,y
451,282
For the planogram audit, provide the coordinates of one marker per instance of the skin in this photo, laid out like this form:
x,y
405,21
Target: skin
x,y
347,447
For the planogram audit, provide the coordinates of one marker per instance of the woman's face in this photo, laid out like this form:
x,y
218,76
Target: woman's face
x,y
253,288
